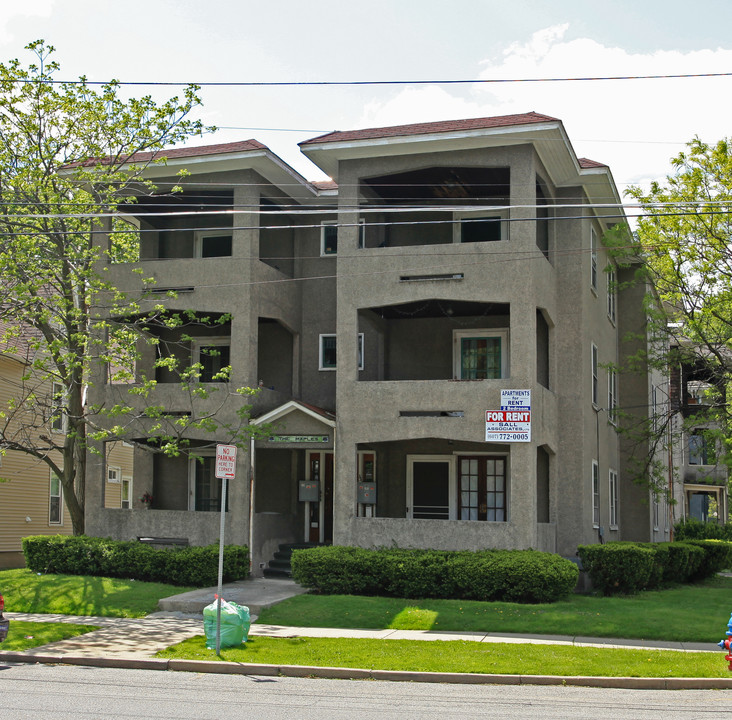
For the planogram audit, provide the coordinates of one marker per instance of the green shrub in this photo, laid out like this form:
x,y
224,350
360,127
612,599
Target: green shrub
x,y
103,557
517,575
693,529
717,557
619,568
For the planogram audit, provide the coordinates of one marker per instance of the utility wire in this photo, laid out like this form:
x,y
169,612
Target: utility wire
x,y
359,83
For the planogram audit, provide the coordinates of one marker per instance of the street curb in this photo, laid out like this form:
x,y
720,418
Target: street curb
x,y
303,671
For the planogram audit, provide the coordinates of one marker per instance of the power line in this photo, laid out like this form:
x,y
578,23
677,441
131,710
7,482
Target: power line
x,y
361,83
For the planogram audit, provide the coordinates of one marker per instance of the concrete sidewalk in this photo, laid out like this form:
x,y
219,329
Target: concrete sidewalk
x,y
132,642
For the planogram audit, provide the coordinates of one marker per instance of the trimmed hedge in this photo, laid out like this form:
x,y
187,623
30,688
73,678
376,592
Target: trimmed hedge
x,y
628,567
696,530
512,575
103,557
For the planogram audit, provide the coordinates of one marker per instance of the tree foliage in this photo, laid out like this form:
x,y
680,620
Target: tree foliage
x,y
683,245
72,160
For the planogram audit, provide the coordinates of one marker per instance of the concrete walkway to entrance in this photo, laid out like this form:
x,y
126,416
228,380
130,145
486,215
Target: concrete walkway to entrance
x,y
132,642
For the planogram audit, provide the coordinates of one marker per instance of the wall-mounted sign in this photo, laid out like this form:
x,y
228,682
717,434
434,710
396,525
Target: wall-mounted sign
x,y
300,438
512,423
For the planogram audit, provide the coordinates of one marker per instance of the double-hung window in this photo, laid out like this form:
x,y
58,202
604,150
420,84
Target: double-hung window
x,y
593,259
611,294
55,501
327,352
481,226
214,357
612,396
701,448
213,243
126,493
480,354
58,418
595,494
613,499
595,376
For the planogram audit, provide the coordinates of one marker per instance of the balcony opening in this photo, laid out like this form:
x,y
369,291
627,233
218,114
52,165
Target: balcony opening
x,y
276,236
437,205
436,340
275,348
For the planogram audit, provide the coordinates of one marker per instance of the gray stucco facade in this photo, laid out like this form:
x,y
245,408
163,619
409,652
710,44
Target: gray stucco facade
x,y
467,260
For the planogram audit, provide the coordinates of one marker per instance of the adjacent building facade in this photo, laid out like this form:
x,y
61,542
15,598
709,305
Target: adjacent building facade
x,y
437,337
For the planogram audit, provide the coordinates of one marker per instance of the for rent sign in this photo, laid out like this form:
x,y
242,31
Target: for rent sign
x,y
512,423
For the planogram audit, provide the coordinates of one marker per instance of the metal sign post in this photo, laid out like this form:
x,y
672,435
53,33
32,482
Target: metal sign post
x,y
225,469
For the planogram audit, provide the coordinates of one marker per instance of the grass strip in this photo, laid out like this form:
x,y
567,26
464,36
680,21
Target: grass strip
x,y
24,635
26,591
684,613
459,656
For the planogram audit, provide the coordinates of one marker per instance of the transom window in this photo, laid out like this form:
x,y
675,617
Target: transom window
x,y
480,354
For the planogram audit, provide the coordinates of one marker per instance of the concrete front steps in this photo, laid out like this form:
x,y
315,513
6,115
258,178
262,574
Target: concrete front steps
x,y
279,566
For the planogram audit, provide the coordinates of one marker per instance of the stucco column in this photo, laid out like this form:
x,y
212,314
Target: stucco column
x,y
523,194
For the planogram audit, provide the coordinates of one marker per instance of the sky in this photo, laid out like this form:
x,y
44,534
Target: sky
x,y
634,126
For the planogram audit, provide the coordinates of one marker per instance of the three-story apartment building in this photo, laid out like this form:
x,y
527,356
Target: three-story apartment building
x,y
451,278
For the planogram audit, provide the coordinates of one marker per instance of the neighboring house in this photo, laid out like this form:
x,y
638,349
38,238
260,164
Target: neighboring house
x,y
382,315
701,482
31,497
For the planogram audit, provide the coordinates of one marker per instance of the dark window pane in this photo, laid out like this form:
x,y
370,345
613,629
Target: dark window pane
x,y
216,246
485,229
330,239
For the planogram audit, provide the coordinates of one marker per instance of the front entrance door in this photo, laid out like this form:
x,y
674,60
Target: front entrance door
x,y
429,487
320,514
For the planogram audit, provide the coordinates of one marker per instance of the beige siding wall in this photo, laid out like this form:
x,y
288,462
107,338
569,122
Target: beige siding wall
x,y
119,460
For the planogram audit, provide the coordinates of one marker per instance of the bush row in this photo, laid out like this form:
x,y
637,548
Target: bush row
x,y
512,575
696,530
103,557
626,567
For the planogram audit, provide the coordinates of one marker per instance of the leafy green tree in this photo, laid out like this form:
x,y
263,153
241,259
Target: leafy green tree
x,y
683,249
72,158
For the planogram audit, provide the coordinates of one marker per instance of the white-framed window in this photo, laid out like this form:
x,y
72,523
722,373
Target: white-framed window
x,y
595,494
655,511
486,225
126,493
114,474
204,488
593,259
595,376
702,450
327,351
58,403
214,356
654,408
613,499
611,294
55,501
329,237
212,243
480,354
612,396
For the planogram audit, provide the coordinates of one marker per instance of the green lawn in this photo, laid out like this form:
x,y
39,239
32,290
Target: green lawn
x,y
460,656
688,613
24,635
25,591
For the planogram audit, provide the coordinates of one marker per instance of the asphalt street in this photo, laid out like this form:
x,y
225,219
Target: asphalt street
x,y
52,692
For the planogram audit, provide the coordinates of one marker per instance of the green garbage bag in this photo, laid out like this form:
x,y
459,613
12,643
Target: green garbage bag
x,y
235,623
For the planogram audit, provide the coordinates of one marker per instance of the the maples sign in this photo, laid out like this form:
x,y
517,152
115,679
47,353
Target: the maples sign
x,y
226,461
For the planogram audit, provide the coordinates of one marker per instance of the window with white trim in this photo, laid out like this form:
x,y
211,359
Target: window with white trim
x,y
327,351
126,493
611,294
58,417
55,501
595,494
480,354
113,474
612,396
214,356
593,259
655,511
595,376
613,500
485,225
212,243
